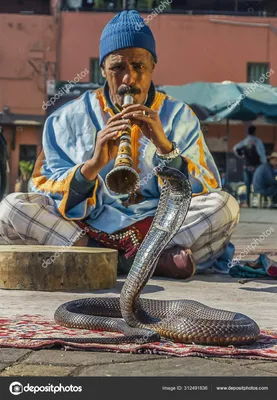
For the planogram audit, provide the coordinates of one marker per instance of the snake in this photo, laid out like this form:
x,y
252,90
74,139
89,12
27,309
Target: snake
x,y
140,320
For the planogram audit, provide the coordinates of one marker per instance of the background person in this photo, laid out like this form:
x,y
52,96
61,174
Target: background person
x,y
252,151
265,179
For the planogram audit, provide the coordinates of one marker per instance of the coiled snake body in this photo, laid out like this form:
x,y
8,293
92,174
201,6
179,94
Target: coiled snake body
x,y
145,320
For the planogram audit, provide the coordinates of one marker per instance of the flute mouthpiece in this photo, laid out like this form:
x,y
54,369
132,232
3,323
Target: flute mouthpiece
x,y
128,99
126,91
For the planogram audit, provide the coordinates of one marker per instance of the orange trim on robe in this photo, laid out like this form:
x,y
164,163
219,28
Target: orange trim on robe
x,y
193,170
90,201
38,164
210,181
135,135
42,183
103,102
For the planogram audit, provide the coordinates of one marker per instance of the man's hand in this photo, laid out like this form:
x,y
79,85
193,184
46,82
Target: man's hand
x,y
149,122
106,146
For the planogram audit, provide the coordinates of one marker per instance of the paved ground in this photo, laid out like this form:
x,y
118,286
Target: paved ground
x,y
256,299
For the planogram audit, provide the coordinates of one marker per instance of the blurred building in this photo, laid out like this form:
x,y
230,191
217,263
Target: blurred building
x,y
50,55
237,42
27,58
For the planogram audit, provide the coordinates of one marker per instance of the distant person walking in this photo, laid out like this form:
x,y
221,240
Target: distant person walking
x,y
252,151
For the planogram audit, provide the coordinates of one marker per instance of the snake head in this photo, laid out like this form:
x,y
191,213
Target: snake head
x,y
163,170
177,179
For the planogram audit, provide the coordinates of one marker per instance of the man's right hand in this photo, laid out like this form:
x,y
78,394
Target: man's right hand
x,y
106,147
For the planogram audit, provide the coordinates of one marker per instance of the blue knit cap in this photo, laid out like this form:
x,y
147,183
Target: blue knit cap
x,y
126,29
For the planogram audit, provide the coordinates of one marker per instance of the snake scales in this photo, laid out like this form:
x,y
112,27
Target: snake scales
x,y
145,320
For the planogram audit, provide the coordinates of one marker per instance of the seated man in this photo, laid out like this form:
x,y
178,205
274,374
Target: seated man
x,y
265,178
80,143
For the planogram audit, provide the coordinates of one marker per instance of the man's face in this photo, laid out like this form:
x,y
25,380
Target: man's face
x,y
273,162
132,67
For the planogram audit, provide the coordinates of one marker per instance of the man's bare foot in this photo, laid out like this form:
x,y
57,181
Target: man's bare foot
x,y
176,263
83,242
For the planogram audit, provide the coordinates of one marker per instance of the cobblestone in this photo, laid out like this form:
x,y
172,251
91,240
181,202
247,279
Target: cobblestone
x,y
188,366
11,355
75,358
36,370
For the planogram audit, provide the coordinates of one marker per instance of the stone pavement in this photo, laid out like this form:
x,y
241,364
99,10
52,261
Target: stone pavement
x,y
253,224
257,299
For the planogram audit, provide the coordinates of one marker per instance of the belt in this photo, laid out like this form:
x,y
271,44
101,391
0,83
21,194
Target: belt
x,y
127,240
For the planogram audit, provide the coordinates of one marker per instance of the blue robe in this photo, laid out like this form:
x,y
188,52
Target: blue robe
x,y
69,139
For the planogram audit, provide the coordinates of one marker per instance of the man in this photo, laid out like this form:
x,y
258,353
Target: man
x,y
79,146
252,150
265,179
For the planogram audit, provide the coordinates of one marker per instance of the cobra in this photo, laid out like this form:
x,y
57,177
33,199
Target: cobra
x,y
145,320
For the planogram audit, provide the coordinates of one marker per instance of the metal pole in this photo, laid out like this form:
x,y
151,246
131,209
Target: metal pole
x,y
236,5
227,152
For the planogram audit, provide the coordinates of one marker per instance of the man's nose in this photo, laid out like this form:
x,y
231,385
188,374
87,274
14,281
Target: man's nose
x,y
129,77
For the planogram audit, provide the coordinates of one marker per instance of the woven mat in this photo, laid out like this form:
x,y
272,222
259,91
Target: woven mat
x,y
16,332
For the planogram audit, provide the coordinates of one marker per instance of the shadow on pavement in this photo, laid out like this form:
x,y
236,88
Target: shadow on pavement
x,y
117,289
270,289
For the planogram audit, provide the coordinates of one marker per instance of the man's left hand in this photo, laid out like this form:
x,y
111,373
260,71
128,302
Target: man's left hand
x,y
149,122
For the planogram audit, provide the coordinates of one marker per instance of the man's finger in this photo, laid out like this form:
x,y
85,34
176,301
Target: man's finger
x,y
139,116
116,117
135,107
112,129
112,136
120,121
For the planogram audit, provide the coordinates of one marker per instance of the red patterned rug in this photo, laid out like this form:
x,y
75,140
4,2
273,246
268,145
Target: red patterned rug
x,y
18,331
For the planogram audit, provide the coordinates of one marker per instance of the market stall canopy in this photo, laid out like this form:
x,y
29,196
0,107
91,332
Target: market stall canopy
x,y
228,100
